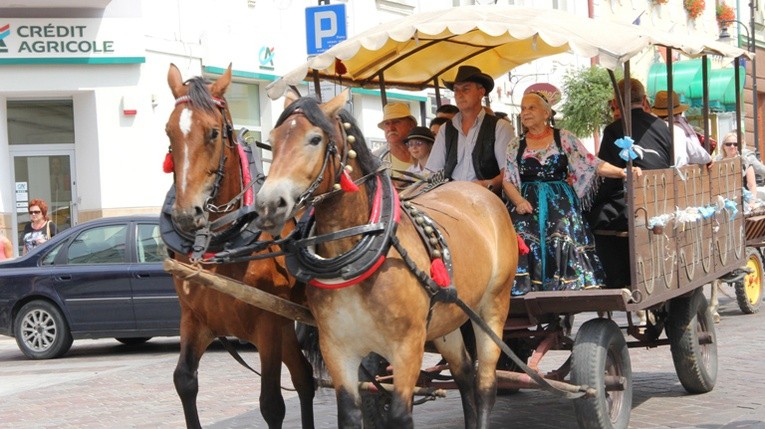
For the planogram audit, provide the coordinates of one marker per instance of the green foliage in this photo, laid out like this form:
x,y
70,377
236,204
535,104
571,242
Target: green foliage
x,y
586,107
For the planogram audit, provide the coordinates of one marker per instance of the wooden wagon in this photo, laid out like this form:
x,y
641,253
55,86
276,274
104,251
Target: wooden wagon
x,y
686,227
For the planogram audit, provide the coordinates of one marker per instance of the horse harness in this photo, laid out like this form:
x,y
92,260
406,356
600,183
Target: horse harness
x,y
234,233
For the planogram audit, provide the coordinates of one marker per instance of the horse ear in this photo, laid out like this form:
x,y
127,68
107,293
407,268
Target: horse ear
x,y
220,85
174,80
331,107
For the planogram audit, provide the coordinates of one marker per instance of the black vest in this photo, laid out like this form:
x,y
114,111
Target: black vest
x,y
484,161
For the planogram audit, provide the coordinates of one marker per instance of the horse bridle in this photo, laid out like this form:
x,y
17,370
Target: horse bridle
x,y
305,198
203,237
228,140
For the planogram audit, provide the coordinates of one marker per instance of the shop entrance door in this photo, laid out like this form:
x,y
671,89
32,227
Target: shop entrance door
x,y
47,175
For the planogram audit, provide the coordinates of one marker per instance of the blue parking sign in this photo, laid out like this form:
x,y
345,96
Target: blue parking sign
x,y
324,27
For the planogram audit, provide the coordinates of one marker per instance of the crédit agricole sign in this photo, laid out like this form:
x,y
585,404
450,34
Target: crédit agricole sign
x,y
71,41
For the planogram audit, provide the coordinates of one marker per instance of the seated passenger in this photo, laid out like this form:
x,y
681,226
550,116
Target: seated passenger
x,y
730,150
607,215
687,147
548,209
473,145
419,141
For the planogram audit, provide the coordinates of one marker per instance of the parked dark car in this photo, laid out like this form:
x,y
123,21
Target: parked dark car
x,y
99,279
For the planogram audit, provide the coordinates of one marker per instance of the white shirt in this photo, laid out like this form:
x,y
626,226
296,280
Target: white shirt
x,y
688,149
464,170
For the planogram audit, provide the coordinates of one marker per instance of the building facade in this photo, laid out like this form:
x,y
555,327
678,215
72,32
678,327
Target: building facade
x,y
84,96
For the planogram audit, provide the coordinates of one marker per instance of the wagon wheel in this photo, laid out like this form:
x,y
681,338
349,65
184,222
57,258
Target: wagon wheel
x,y
600,357
692,339
749,290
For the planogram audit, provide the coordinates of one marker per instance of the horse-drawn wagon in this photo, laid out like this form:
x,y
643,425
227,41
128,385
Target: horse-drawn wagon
x,y
686,226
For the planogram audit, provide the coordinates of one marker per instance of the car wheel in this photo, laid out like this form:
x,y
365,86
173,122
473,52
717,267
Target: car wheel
x,y
133,341
41,331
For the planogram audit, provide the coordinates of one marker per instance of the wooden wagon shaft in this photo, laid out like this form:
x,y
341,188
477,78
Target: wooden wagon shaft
x,y
368,386
240,291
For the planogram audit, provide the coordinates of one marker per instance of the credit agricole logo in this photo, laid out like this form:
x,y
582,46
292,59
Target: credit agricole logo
x,y
5,30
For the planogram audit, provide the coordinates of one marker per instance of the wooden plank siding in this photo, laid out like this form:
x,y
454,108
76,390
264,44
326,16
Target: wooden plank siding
x,y
682,256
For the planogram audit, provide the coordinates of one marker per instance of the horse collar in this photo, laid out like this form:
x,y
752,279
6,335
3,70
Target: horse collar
x,y
362,260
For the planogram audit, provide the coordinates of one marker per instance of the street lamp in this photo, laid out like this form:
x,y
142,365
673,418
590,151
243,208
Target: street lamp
x,y
751,48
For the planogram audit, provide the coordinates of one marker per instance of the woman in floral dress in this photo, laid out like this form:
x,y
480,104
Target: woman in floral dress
x,y
549,177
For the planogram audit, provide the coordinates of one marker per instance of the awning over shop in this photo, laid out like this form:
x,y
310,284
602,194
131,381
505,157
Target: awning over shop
x,y
687,81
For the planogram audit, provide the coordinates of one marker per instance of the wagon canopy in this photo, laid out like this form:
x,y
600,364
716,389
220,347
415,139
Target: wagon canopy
x,y
424,49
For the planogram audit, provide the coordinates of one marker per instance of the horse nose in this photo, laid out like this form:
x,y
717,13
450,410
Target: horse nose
x,y
273,205
189,219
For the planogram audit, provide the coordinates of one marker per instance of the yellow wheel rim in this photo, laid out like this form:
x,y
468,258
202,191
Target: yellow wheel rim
x,y
753,281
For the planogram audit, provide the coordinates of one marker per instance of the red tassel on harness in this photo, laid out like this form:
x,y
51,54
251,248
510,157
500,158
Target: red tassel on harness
x,y
167,165
346,183
438,272
523,249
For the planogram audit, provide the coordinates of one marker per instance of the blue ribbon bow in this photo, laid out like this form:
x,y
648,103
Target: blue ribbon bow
x,y
625,144
731,207
707,212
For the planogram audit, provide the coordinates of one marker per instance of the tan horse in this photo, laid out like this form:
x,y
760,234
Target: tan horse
x,y
389,311
208,174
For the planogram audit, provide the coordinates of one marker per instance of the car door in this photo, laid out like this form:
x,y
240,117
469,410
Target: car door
x,y
154,298
94,280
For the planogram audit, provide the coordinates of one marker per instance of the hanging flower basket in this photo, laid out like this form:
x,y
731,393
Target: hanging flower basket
x,y
694,8
724,14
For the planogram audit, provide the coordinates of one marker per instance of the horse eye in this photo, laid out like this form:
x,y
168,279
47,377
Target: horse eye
x,y
214,133
315,140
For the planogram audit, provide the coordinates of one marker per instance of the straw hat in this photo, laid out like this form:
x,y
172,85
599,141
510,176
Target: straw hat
x,y
661,104
420,133
395,111
471,74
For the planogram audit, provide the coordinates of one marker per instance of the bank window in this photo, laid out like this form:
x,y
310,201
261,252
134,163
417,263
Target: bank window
x,y
40,121
244,105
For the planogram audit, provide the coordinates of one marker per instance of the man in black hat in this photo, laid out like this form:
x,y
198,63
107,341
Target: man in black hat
x,y
473,145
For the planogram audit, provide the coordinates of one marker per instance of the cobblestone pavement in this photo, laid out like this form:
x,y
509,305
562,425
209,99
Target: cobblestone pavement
x,y
104,384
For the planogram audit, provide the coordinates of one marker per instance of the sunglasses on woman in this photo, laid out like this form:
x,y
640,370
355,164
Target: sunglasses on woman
x,y
730,144
35,212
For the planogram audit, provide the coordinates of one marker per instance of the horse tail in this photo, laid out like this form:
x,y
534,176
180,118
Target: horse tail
x,y
308,339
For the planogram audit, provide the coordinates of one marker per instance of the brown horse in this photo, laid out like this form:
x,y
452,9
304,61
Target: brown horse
x,y
387,311
208,176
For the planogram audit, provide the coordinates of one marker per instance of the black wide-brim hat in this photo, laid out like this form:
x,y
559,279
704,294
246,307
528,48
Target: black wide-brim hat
x,y
471,74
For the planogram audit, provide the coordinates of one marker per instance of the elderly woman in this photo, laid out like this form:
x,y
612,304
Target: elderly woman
x,y
548,177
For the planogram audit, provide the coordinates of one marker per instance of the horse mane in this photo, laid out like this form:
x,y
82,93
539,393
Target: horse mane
x,y
200,94
309,106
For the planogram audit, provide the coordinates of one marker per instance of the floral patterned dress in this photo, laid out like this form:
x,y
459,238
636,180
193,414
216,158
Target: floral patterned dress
x,y
556,181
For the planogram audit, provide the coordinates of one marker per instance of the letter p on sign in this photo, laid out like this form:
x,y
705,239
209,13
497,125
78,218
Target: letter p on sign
x,y
325,27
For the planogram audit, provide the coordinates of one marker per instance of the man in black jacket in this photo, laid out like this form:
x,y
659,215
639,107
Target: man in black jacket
x,y
607,217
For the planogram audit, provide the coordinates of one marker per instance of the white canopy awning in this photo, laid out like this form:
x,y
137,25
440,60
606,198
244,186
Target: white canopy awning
x,y
412,52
